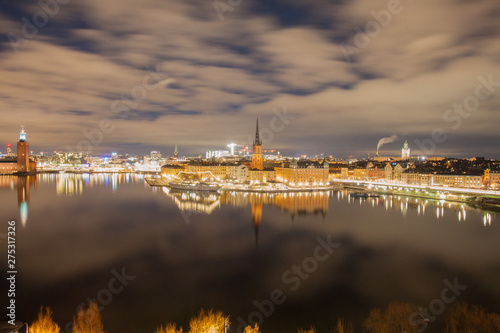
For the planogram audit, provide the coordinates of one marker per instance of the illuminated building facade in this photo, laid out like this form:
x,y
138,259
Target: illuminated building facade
x,y
216,153
393,172
422,179
494,179
303,173
10,153
172,170
375,173
8,166
23,153
468,181
405,152
239,173
264,175
155,155
221,171
257,162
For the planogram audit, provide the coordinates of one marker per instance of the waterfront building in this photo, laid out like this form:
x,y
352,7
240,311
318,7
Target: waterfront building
x,y
8,166
359,173
421,179
239,173
303,173
374,173
467,181
494,179
263,175
172,170
23,153
220,171
393,172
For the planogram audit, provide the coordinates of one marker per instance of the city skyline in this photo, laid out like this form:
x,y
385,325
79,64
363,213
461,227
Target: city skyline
x,y
379,153
322,77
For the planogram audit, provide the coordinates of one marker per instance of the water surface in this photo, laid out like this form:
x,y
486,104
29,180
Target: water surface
x,y
189,251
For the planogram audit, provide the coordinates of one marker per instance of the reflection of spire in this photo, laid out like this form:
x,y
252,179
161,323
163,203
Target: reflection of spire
x,y
23,212
256,219
23,196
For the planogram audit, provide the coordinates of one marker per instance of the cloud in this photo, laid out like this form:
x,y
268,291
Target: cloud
x,y
217,76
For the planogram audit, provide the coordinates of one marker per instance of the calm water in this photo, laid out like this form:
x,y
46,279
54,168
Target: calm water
x,y
231,251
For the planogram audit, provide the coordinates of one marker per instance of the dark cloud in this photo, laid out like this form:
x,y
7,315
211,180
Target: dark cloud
x,y
263,55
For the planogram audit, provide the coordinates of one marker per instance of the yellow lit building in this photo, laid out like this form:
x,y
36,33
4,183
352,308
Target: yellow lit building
x,y
172,170
257,161
303,173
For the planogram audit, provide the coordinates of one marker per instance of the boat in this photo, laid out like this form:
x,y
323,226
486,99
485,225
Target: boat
x,y
359,195
194,186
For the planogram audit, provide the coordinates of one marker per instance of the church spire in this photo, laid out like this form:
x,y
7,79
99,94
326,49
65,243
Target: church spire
x,y
257,139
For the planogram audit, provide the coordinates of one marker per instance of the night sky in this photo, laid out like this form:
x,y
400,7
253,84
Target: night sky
x,y
134,76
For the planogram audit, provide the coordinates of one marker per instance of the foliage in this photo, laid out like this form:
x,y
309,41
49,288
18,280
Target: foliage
x,y
394,320
44,323
311,330
169,328
344,327
463,318
88,321
250,329
208,322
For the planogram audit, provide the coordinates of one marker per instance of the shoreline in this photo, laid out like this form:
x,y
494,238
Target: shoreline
x,y
467,200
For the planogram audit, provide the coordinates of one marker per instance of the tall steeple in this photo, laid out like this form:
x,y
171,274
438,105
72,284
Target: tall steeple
x,y
176,153
23,153
257,162
257,139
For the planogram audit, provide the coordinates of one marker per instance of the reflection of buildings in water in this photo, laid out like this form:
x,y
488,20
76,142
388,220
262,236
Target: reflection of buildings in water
x,y
420,205
296,203
198,201
256,219
304,203
22,184
23,196
74,183
68,184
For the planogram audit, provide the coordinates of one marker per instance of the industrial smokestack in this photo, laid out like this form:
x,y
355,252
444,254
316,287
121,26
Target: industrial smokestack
x,y
384,141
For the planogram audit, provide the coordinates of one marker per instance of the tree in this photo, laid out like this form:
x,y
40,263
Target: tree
x,y
44,323
250,329
463,318
88,321
311,330
169,328
208,322
395,319
344,327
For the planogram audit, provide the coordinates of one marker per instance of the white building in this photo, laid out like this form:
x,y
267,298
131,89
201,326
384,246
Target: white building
x,y
217,153
239,173
405,152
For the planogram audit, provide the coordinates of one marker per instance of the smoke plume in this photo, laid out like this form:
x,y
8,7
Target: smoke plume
x,y
383,141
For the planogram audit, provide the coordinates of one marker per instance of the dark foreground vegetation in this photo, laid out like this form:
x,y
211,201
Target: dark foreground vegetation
x,y
396,318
